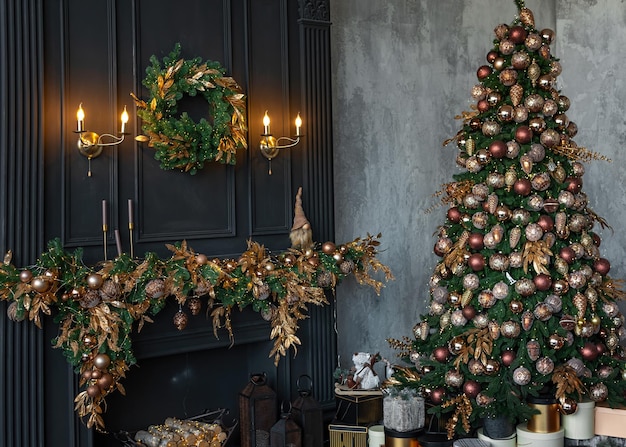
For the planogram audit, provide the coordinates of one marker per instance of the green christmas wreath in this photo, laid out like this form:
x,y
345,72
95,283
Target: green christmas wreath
x,y
179,141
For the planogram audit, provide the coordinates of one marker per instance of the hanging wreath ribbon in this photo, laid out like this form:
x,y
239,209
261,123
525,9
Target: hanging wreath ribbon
x,y
179,141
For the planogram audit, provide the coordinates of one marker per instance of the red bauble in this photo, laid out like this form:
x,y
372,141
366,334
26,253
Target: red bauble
x,y
596,239
601,348
542,282
602,266
589,351
454,215
468,312
522,186
483,71
476,261
567,254
441,354
508,357
436,395
475,241
471,388
482,105
517,34
523,134
546,223
497,149
574,184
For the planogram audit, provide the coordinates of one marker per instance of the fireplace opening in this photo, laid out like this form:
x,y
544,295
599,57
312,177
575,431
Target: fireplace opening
x,y
184,373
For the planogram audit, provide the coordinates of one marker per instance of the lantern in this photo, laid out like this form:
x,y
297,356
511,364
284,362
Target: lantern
x,y
307,412
285,432
257,411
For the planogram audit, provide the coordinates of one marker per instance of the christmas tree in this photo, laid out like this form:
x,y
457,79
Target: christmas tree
x,y
521,301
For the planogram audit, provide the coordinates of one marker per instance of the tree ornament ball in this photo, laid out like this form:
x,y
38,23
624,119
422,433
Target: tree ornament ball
x,y
574,184
546,223
497,149
471,388
482,106
602,266
95,374
469,312
522,187
567,406
101,361
454,215
589,352
491,56
437,395
521,376
508,357
328,247
483,72
567,254
475,241
94,281
441,354
93,391
40,284
105,382
476,261
26,276
599,392
523,134
201,259
517,34
542,282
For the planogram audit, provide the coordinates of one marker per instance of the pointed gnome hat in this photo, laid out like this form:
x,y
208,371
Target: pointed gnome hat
x,y
299,219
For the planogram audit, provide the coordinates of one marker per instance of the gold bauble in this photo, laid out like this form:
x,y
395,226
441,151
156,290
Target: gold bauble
x,y
101,361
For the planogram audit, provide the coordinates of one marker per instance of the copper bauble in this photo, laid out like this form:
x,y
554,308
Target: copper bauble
x,y
201,259
101,361
437,395
482,106
534,102
195,305
180,320
588,351
469,312
492,367
542,281
505,113
93,391
454,215
520,114
476,261
537,125
95,374
110,290
547,35
483,72
475,241
508,77
106,381
497,149
517,34
522,187
567,406
441,354
471,388
491,128
520,60
533,42
574,184
516,306
508,357
602,266
328,248
491,56
523,134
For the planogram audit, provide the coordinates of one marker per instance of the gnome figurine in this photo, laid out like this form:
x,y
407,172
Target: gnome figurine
x,y
301,234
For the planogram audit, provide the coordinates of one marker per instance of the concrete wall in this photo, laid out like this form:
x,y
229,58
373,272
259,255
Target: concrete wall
x,y
402,70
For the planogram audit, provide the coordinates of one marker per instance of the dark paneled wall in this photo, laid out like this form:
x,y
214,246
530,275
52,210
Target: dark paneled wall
x,y
59,53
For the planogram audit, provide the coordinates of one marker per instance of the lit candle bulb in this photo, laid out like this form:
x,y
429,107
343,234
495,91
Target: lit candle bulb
x,y
298,124
124,120
80,116
266,124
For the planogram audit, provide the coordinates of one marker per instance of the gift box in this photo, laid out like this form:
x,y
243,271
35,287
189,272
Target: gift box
x,y
610,421
347,435
358,407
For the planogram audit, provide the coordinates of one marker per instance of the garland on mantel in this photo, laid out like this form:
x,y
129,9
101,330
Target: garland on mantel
x,y
96,308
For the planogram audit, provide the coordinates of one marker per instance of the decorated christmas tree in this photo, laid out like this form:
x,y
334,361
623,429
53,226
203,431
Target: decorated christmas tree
x,y
521,303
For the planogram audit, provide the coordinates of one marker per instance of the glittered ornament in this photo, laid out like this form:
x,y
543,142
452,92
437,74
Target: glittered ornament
x,y
520,216
480,321
195,305
542,312
499,262
528,318
544,365
454,378
155,288
457,318
510,329
491,128
550,138
598,392
533,349
567,406
89,299
110,291
534,102
521,376
471,281
180,320
347,266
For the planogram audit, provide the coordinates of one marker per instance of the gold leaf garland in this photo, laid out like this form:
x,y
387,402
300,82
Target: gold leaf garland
x,y
98,308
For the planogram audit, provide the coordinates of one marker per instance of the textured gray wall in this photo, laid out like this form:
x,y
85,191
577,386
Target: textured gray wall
x,y
402,70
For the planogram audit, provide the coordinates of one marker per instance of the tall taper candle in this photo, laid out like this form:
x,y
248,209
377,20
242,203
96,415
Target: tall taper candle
x,y
130,212
131,227
105,227
118,242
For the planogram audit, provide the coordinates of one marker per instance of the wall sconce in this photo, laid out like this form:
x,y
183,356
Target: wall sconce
x,y
270,146
90,144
